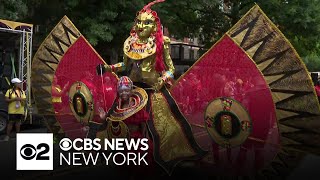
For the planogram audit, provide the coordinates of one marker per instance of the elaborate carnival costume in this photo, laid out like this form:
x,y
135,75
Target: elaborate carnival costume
x,y
128,115
126,118
148,63
256,113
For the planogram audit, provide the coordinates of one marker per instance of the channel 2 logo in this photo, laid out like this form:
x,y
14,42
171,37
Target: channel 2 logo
x,y
34,151
28,152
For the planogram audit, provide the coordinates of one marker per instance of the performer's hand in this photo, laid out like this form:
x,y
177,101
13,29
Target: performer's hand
x,y
102,113
101,69
157,86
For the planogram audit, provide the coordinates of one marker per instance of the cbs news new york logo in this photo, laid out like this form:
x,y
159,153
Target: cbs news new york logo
x,y
34,151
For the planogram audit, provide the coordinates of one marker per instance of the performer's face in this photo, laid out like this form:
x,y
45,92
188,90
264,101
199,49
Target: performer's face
x,y
125,93
145,25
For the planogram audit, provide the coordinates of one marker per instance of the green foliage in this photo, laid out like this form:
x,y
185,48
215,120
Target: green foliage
x,y
298,20
312,62
13,9
194,18
106,24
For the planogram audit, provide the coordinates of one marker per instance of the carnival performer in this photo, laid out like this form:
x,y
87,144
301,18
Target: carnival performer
x,y
148,64
128,115
127,119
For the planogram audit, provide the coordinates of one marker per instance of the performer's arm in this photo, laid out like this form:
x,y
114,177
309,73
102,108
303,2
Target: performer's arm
x,y
104,115
168,74
118,67
7,96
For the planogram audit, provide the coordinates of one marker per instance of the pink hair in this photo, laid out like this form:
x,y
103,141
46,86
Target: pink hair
x,y
159,65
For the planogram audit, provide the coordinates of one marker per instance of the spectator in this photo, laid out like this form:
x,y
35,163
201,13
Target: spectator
x,y
16,97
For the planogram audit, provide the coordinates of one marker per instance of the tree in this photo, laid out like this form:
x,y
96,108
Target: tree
x,y
106,24
210,19
194,18
13,9
312,62
299,21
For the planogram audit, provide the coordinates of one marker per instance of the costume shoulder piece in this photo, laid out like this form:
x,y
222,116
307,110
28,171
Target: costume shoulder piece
x,y
139,51
139,98
166,42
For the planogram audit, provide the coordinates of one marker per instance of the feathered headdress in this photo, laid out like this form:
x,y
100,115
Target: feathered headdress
x,y
125,82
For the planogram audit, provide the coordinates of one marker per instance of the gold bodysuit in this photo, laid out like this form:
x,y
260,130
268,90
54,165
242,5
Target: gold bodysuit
x,y
139,60
170,131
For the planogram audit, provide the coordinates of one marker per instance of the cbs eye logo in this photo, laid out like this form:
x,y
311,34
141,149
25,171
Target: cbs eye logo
x,y
65,144
28,151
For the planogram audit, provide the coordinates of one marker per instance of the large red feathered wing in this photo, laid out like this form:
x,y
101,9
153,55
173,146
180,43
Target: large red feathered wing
x,y
248,100
65,82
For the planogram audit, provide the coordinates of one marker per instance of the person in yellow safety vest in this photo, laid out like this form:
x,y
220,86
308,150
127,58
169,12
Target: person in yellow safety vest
x,y
16,98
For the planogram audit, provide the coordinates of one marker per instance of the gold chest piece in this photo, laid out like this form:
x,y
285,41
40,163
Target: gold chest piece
x,y
139,51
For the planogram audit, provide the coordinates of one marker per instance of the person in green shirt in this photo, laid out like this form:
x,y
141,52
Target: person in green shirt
x,y
16,98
